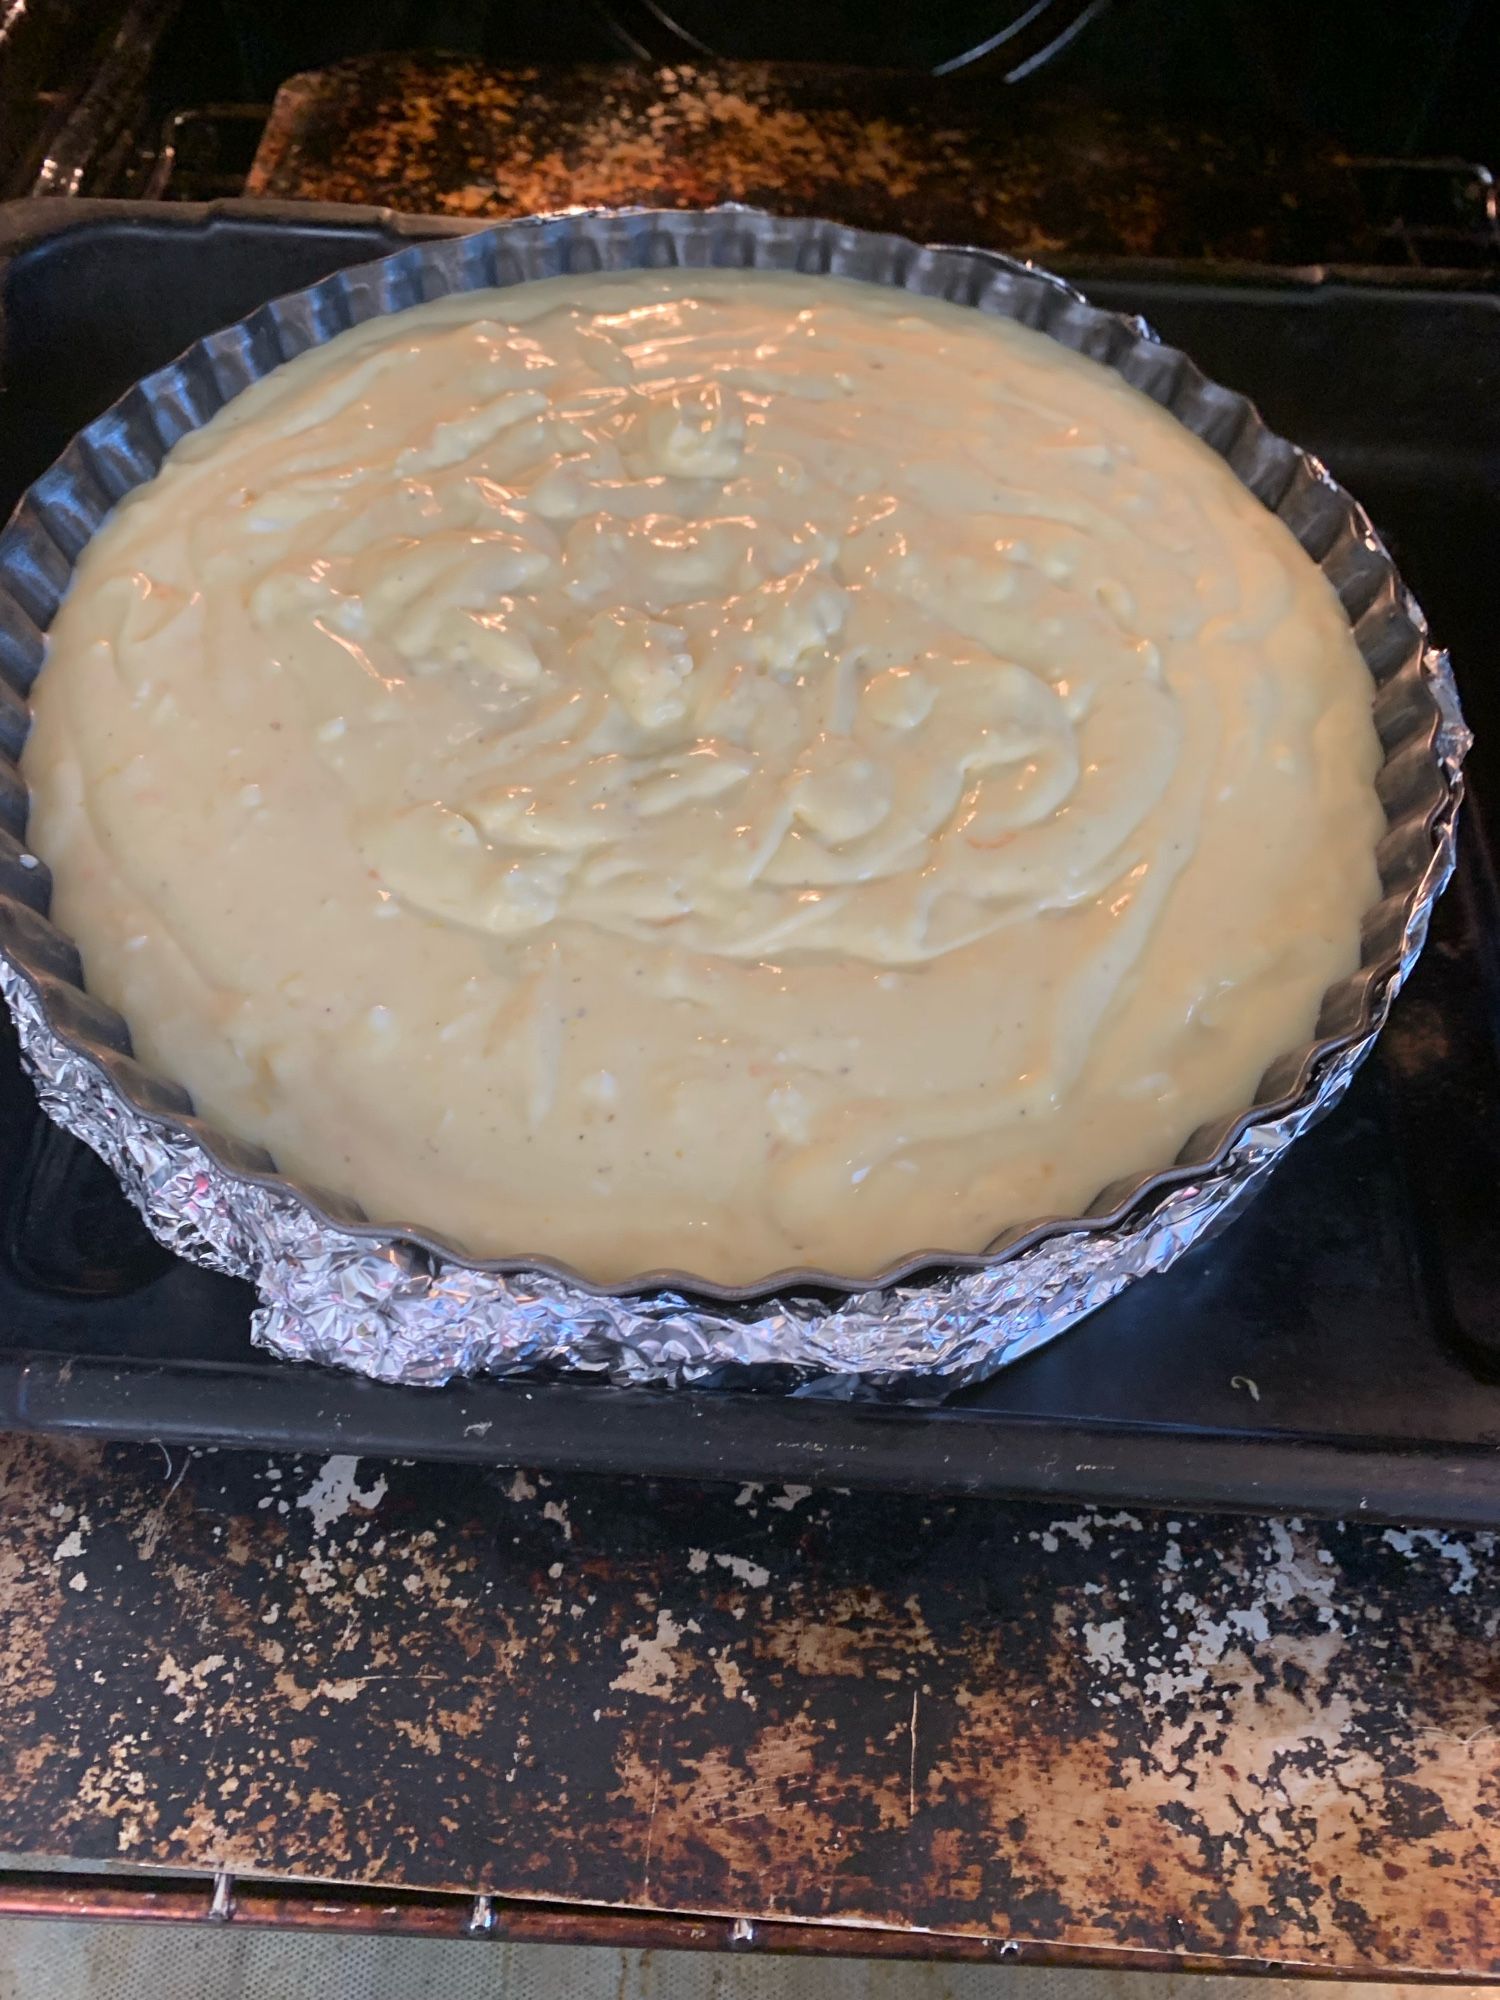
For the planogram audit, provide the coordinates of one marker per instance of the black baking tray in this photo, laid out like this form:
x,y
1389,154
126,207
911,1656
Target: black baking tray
x,y
1336,1352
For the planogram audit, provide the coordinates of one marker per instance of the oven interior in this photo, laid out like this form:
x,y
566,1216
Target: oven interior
x,y
1311,216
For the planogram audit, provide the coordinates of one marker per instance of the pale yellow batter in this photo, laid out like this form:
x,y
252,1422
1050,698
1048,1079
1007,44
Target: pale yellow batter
x,y
707,770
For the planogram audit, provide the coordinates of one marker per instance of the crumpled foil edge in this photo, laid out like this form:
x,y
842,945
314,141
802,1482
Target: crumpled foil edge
x,y
402,1313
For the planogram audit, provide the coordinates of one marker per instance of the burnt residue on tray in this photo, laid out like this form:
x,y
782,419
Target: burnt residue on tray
x,y
943,161
1082,1728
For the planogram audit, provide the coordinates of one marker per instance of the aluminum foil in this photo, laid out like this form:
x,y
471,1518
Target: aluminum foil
x,y
337,1290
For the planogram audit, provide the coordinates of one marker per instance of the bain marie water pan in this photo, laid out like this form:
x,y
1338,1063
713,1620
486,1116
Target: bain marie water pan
x,y
401,1304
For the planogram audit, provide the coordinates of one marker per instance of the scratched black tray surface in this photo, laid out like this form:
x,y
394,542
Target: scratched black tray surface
x,y
1338,1351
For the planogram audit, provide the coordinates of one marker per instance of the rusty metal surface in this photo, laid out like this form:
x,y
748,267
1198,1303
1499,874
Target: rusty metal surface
x,y
950,161
1087,1734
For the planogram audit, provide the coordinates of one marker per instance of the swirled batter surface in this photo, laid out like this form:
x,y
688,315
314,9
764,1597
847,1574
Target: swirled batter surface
x,y
709,770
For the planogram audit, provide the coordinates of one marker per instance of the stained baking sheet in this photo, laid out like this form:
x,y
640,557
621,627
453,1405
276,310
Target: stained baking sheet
x,y
1337,1351
950,160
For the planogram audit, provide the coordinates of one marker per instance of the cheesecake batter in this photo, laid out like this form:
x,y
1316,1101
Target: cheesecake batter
x,y
707,770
